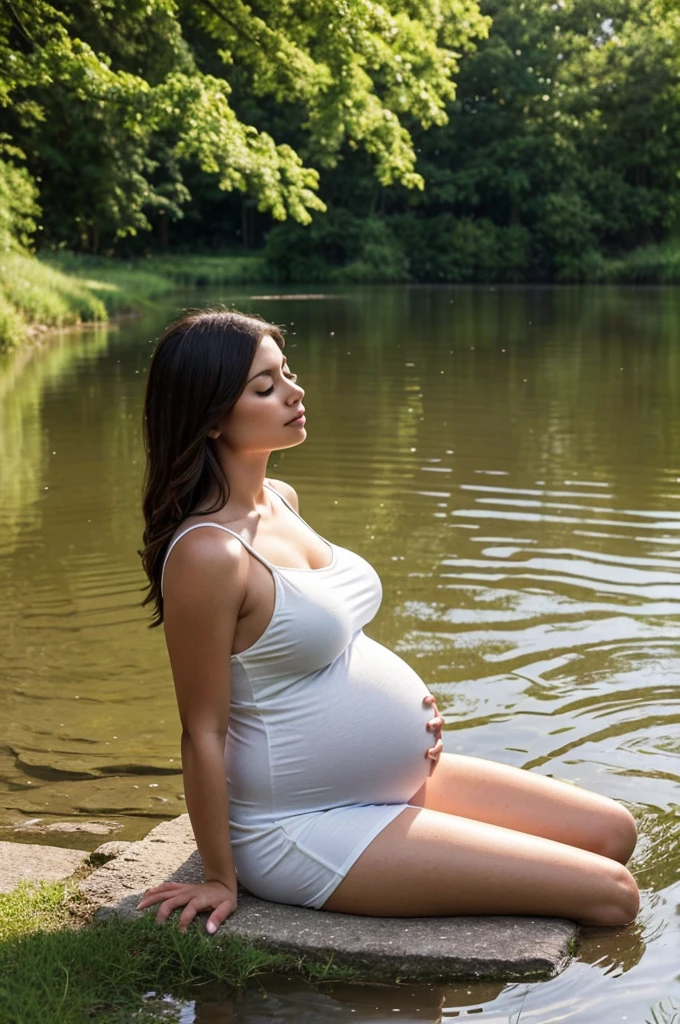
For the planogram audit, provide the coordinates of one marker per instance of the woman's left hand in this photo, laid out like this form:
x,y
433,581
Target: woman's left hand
x,y
434,726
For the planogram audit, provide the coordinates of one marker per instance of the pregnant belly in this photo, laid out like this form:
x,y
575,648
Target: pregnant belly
x,y
353,733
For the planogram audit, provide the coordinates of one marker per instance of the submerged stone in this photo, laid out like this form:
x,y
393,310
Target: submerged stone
x,y
446,948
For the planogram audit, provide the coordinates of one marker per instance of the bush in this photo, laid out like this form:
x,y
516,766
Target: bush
x,y
565,236
381,257
456,250
650,264
293,252
18,208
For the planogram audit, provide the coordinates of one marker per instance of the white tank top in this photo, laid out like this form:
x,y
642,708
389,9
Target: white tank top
x,y
333,602
320,715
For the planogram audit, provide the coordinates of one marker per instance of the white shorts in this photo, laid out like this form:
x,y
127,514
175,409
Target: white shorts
x,y
301,859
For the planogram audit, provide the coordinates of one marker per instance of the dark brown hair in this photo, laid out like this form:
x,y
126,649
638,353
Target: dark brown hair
x,y
198,371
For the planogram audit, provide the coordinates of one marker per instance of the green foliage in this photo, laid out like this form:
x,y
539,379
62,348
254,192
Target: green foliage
x,y
12,326
452,140
112,102
565,232
449,248
31,908
205,271
41,294
149,276
566,122
343,247
381,258
35,292
294,253
650,264
18,207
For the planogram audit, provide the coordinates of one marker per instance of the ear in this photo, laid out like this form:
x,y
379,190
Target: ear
x,y
214,434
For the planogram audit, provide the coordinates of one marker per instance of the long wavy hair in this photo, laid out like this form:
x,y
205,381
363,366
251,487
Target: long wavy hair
x,y
198,371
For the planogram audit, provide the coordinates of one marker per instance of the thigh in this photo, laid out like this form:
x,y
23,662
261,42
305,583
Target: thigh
x,y
425,863
527,802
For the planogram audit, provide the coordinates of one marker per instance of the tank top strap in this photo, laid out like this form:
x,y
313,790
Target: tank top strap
x,y
219,526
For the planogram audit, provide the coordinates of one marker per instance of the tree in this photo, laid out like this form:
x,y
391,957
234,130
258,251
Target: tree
x,y
566,123
110,101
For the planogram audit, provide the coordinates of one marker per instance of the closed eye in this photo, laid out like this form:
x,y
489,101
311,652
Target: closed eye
x,y
287,374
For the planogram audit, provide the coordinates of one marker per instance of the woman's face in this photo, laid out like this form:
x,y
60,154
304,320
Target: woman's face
x,y
268,416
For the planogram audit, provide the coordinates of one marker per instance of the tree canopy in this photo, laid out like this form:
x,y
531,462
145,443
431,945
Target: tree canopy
x,y
110,100
440,140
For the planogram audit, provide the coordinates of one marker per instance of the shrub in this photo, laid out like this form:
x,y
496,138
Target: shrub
x,y
293,252
447,248
381,257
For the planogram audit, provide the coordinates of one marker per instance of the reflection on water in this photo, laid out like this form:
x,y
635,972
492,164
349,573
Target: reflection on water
x,y
509,460
589,990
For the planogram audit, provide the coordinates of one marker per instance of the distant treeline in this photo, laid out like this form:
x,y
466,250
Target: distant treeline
x,y
444,140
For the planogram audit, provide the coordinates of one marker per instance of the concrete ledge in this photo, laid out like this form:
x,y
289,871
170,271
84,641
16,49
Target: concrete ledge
x,y
28,862
446,948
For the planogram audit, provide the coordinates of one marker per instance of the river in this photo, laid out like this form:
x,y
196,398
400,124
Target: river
x,y
507,459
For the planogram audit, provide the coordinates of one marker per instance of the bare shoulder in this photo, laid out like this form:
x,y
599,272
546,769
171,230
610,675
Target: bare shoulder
x,y
205,567
289,493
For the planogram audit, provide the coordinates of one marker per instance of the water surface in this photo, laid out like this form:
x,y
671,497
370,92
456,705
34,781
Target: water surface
x,y
508,460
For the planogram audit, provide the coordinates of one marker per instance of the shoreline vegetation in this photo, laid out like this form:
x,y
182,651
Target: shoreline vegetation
x,y
65,290
57,965
462,142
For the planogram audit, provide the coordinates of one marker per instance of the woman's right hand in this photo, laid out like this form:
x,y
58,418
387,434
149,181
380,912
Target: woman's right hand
x,y
215,896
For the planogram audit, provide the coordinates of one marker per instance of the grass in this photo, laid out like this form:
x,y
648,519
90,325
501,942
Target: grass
x,y
64,289
39,294
52,968
206,271
190,271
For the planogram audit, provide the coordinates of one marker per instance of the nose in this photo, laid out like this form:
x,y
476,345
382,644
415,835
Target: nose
x,y
298,392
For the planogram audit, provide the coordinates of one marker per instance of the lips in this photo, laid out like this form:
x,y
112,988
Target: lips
x,y
296,419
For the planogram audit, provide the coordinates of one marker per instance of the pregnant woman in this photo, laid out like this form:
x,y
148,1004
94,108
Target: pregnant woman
x,y
311,754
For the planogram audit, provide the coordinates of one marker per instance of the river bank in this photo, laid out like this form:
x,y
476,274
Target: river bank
x,y
39,294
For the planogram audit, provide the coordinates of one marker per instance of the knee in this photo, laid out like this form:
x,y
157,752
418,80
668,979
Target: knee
x,y
618,834
620,900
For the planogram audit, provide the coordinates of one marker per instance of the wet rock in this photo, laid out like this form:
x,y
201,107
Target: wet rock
x,y
26,862
511,948
95,828
108,851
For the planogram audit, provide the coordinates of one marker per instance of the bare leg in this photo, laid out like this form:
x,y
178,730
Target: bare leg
x,y
527,802
429,863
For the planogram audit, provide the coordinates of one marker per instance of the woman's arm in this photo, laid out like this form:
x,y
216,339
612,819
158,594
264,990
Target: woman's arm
x,y
205,583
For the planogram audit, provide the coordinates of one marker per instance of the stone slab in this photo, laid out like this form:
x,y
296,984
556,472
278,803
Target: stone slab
x,y
445,948
27,862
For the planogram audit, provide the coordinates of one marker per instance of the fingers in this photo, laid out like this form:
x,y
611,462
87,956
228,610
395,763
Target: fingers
x,y
194,899
435,723
158,894
188,914
218,917
431,700
167,907
434,752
